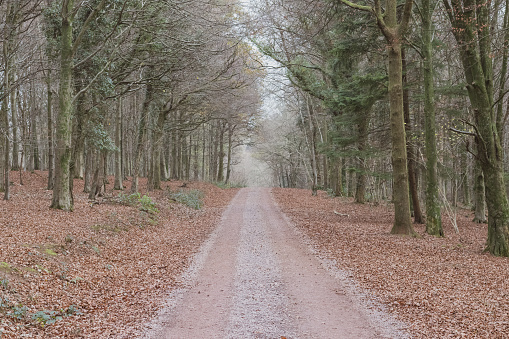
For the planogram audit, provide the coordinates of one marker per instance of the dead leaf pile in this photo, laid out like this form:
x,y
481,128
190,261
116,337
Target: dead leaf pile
x,y
440,287
100,271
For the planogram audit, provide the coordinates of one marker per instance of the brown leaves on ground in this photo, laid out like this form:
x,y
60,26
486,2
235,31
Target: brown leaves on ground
x,y
441,287
114,263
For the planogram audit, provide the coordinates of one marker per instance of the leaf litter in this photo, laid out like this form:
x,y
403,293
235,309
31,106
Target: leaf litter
x,y
100,271
440,287
105,269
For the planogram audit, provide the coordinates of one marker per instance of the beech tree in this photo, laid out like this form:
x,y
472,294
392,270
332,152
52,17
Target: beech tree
x,y
62,195
433,217
472,29
394,31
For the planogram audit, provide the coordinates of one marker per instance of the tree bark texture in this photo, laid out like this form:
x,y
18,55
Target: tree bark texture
x,y
49,108
118,143
411,164
360,189
433,213
474,47
61,190
479,195
402,217
141,136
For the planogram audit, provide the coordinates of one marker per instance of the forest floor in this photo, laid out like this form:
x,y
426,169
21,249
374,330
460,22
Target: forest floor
x,y
256,278
100,271
440,287
105,270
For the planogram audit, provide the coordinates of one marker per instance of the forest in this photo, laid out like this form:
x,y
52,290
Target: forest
x,y
381,101
128,127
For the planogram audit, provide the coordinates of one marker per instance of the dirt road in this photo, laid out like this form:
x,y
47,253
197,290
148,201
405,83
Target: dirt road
x,y
255,278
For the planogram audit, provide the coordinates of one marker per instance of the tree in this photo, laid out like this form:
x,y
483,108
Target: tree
x,y
433,217
62,195
471,28
394,33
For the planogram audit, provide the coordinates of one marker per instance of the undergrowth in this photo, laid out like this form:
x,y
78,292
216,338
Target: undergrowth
x,y
223,185
144,202
20,313
191,198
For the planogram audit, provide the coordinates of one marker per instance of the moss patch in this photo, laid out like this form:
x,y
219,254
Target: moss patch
x,y
109,228
5,267
49,251
29,270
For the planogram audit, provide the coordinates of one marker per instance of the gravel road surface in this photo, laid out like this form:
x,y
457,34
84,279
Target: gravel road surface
x,y
256,277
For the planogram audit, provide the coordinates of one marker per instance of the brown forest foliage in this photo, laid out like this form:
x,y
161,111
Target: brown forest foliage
x,y
441,287
109,260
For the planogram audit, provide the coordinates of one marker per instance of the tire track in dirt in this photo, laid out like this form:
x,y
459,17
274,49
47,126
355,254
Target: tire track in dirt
x,y
254,278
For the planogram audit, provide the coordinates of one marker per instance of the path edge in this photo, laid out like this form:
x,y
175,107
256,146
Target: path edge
x,y
374,310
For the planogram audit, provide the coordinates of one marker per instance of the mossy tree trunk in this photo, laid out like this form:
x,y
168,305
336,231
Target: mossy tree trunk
x,y
157,143
50,130
411,163
62,194
402,218
433,214
360,189
475,50
149,92
220,163
4,113
61,190
118,143
394,31
231,129
479,195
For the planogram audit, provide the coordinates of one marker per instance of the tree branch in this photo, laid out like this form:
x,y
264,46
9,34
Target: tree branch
x,y
462,132
86,24
356,6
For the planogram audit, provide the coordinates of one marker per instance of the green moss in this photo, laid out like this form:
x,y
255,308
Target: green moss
x,y
29,269
41,268
49,251
109,228
5,267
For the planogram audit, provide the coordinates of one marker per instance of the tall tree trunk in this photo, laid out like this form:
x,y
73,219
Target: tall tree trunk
x,y
49,108
464,177
99,176
61,189
394,32
479,195
503,74
360,190
474,46
89,171
141,136
9,92
6,144
157,143
35,141
196,164
118,185
189,157
402,218
412,178
433,214
215,152
220,170
14,121
231,129
336,177
312,145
